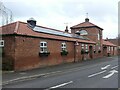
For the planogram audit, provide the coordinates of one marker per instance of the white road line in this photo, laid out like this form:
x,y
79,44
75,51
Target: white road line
x,y
114,67
111,73
97,73
105,67
60,85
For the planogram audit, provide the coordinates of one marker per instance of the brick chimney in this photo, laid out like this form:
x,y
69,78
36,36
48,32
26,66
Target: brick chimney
x,y
66,30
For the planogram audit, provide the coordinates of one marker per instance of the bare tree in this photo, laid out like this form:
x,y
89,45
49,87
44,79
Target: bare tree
x,y
6,15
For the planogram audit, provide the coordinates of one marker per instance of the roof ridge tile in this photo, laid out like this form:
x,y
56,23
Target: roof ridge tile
x,y
16,27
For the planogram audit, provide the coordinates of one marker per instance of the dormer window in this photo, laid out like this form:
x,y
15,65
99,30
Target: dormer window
x,y
83,32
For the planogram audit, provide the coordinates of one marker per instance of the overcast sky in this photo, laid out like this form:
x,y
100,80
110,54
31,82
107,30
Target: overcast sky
x,y
54,13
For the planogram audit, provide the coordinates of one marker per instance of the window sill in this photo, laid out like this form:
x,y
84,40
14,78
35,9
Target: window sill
x,y
44,54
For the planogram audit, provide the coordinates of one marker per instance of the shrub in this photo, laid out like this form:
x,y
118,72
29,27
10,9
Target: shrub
x,y
64,52
82,51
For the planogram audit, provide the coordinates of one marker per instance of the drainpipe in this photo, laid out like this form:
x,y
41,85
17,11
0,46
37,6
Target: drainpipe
x,y
74,52
75,44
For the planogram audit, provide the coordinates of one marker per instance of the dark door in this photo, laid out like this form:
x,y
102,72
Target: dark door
x,y
104,51
91,52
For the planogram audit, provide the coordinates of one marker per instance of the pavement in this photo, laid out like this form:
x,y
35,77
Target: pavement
x,y
11,77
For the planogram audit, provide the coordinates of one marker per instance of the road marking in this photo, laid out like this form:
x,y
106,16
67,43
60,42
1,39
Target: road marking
x,y
21,78
111,73
105,67
97,73
114,67
60,85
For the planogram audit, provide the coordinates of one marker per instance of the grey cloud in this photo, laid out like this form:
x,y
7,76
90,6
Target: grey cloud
x,y
21,9
101,10
69,9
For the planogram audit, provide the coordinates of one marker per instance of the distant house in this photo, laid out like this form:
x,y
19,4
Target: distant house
x,y
27,46
115,41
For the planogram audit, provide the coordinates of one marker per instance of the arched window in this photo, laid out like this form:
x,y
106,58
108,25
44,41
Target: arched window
x,y
83,32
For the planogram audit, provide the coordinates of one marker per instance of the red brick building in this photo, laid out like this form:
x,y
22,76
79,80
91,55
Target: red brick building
x,y
115,41
27,45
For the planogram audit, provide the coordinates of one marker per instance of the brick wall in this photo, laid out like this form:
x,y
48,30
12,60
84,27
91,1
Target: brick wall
x,y
27,53
93,35
8,51
24,52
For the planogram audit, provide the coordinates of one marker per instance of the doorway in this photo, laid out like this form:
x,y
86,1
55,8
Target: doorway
x,y
104,51
91,52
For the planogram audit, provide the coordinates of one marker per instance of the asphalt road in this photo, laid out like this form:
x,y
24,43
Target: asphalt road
x,y
93,75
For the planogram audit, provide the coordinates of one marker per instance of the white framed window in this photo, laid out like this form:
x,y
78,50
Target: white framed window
x,y
63,46
109,48
86,47
43,46
1,43
82,46
99,47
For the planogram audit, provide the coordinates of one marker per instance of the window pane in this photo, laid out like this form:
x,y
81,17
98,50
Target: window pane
x,y
42,49
41,44
1,43
82,44
45,44
45,49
